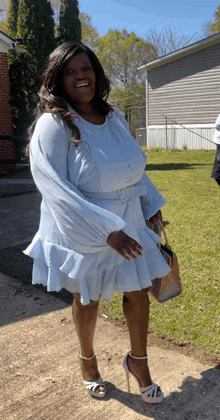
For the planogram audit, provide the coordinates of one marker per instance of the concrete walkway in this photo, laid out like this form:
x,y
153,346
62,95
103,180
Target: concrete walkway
x,y
40,375
10,187
19,219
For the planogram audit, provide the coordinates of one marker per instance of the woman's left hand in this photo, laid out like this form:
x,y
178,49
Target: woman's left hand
x,y
157,215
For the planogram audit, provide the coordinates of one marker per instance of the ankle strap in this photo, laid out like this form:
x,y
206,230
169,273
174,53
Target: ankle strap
x,y
85,358
137,357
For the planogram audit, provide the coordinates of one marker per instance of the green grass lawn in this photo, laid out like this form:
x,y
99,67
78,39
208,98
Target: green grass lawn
x,y
191,218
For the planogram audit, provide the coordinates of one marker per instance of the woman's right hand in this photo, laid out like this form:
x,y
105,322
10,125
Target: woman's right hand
x,y
127,247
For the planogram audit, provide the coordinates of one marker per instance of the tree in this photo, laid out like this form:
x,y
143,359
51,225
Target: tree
x,y
215,26
121,53
89,33
168,40
23,89
70,26
4,26
132,103
205,32
36,28
12,17
35,25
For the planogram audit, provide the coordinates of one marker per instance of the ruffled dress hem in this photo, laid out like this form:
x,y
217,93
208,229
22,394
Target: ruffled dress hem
x,y
98,274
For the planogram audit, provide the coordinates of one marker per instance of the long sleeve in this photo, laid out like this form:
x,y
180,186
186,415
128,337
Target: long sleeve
x,y
84,226
152,201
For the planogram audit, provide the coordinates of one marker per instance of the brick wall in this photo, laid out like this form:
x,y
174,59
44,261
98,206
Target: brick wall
x,y
7,148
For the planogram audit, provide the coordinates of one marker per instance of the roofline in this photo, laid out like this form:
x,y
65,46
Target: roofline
x,y
7,39
189,49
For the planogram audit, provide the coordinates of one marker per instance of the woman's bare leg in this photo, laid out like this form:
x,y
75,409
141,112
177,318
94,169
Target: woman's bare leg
x,y
84,318
136,311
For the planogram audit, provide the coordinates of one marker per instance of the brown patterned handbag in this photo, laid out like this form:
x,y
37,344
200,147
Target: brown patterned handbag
x,y
169,286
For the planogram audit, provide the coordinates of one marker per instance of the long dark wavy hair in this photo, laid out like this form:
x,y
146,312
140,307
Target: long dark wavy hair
x,y
53,97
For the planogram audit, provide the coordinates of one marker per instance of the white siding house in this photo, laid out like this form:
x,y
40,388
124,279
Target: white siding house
x,y
183,96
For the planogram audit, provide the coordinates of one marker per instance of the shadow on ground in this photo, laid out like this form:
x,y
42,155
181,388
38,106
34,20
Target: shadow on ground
x,y
194,400
14,263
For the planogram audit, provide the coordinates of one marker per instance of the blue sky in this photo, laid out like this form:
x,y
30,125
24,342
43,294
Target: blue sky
x,y
140,15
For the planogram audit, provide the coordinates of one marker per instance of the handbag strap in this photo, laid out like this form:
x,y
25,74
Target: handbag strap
x,y
160,224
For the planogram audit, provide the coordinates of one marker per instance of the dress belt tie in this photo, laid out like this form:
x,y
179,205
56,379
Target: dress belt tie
x,y
124,194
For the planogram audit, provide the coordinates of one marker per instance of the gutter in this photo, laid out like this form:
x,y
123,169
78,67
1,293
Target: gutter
x,y
197,46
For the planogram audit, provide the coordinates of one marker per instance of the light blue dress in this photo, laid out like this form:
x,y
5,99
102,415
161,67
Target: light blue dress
x,y
88,192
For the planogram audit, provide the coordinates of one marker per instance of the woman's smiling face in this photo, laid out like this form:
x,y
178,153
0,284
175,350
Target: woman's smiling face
x,y
79,79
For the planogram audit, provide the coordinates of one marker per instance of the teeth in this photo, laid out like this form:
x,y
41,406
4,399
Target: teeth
x,y
82,85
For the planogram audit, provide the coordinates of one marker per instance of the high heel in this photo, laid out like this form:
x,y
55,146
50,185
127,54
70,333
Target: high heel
x,y
148,393
92,386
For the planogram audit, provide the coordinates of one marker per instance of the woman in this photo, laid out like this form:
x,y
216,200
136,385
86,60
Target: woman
x,y
96,196
216,167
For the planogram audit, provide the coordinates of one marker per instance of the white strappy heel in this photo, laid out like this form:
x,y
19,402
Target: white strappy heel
x,y
149,393
92,386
